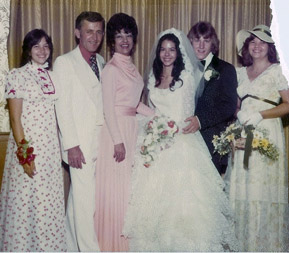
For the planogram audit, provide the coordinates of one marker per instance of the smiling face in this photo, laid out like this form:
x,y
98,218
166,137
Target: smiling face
x,y
258,49
40,52
202,46
123,42
168,53
90,35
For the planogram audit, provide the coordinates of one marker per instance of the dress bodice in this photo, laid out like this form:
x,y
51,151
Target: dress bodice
x,y
267,85
122,83
178,104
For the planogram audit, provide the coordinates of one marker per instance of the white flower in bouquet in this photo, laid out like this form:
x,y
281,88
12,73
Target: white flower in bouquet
x,y
243,133
150,148
148,158
148,140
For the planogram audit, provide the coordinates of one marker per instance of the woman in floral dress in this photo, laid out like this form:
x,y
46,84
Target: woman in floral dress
x,y
259,193
32,200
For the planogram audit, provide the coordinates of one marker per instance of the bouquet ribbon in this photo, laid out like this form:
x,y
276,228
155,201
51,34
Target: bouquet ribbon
x,y
248,144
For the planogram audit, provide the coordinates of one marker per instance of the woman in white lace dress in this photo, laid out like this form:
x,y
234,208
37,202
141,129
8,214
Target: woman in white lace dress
x,y
259,194
177,203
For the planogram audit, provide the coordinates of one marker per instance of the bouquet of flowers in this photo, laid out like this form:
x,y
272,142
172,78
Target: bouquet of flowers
x,y
160,132
254,139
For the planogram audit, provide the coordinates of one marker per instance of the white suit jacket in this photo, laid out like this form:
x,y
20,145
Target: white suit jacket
x,y
79,107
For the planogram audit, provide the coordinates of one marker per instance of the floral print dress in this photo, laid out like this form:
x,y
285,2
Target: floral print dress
x,y
32,210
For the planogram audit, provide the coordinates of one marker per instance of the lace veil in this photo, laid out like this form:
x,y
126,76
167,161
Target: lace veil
x,y
192,64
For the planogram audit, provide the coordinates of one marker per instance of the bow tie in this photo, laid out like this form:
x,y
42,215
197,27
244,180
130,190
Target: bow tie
x,y
203,62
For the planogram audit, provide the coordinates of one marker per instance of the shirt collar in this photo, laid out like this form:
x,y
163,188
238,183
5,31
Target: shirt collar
x,y
85,54
208,60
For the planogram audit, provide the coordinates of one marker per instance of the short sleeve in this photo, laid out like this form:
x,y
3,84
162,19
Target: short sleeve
x,y
14,84
241,74
282,83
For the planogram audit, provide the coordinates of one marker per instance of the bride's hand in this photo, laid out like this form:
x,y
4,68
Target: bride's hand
x,y
193,126
119,152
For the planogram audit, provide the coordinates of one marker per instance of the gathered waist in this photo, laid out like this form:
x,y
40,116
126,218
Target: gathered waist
x,y
125,111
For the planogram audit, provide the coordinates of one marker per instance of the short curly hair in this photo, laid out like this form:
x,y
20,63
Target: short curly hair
x,y
31,39
115,24
90,16
247,60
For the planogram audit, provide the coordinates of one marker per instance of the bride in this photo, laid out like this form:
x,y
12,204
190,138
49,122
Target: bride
x,y
178,202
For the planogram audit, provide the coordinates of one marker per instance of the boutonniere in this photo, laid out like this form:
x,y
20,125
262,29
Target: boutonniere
x,y
211,73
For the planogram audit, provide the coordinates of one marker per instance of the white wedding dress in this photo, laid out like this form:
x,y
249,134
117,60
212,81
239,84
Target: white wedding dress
x,y
178,203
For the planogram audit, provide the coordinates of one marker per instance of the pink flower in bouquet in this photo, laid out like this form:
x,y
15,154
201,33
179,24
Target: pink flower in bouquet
x,y
147,165
165,132
171,124
150,124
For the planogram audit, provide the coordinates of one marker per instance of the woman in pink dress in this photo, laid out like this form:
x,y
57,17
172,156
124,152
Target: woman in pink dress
x,y
122,87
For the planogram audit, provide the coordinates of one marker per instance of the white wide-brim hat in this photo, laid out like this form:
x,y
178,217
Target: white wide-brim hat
x,y
262,32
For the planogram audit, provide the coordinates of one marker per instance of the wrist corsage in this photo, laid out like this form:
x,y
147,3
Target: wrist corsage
x,y
25,152
211,73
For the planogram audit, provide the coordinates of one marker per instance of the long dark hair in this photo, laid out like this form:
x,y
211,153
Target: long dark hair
x,y
247,60
31,39
115,24
178,67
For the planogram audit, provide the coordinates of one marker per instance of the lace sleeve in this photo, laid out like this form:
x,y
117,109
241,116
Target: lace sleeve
x,y
188,93
282,83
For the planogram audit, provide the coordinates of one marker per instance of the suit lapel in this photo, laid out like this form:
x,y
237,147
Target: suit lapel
x,y
213,65
87,77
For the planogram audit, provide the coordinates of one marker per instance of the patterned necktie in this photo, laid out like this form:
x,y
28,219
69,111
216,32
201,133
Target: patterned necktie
x,y
93,65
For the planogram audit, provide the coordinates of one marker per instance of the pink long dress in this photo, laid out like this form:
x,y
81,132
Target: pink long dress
x,y
122,86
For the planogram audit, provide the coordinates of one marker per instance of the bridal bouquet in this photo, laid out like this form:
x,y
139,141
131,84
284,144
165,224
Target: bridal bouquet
x,y
254,139
160,132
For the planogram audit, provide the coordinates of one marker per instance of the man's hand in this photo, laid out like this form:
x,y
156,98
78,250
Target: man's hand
x,y
75,157
119,152
193,126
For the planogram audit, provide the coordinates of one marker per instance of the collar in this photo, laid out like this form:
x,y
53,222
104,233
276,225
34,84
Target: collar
x,y
85,54
208,60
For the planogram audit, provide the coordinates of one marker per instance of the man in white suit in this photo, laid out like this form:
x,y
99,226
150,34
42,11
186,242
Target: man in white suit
x,y
80,116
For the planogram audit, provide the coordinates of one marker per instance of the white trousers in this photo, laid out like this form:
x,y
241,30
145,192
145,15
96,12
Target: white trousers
x,y
80,231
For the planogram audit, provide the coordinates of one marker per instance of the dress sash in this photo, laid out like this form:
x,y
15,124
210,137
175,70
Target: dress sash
x,y
125,111
258,98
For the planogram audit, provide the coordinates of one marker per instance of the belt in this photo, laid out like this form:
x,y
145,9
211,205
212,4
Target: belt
x,y
261,99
